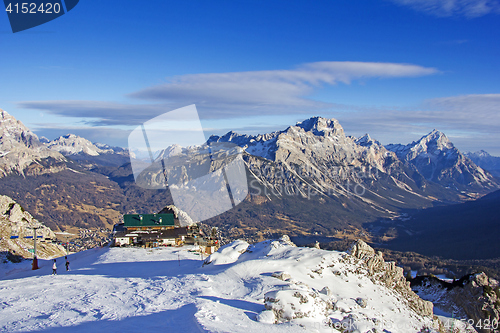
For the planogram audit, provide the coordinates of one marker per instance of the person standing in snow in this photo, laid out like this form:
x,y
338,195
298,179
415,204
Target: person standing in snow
x,y
54,268
67,263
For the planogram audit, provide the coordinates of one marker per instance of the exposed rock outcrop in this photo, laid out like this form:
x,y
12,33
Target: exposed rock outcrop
x,y
295,302
389,275
15,221
182,217
474,296
480,298
286,239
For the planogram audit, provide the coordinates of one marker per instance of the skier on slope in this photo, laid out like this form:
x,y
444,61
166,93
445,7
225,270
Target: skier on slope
x,y
67,263
54,268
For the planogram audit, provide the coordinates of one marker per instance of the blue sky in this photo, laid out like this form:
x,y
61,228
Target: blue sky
x,y
395,69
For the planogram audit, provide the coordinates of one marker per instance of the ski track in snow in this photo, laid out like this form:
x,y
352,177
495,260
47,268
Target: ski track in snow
x,y
132,289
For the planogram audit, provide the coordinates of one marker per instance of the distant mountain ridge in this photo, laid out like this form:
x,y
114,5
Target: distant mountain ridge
x,y
71,144
486,161
56,189
322,142
350,180
84,151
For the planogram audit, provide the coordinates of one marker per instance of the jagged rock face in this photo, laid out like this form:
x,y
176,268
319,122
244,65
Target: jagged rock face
x,y
475,296
20,149
14,221
389,275
479,298
286,240
438,160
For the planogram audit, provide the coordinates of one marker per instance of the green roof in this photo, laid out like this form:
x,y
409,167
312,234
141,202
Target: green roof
x,y
148,220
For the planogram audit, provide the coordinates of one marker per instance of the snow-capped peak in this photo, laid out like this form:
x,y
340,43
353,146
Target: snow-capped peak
x,y
321,126
366,141
72,144
431,143
13,132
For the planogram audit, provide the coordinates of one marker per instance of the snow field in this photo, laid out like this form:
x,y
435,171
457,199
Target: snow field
x,y
173,289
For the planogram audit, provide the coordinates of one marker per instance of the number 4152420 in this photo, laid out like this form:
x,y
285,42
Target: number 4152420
x,y
32,8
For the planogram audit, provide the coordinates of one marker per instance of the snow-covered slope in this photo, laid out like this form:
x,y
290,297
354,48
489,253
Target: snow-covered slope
x,y
271,286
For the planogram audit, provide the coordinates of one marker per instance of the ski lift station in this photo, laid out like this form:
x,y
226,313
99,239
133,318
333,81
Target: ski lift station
x,y
155,230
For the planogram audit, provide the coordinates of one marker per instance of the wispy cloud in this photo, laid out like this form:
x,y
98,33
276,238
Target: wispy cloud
x,y
231,95
276,91
444,8
99,113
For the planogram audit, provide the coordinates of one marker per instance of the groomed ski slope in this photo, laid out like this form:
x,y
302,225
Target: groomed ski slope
x,y
169,290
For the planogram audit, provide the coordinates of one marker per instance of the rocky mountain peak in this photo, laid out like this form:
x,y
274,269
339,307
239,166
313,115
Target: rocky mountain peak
x,y
432,143
13,132
387,273
437,159
436,140
239,139
366,141
322,126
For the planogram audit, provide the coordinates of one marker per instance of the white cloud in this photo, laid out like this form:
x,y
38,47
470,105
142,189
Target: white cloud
x,y
443,8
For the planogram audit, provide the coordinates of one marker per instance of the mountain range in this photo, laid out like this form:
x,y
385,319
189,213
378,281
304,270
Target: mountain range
x,y
310,179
